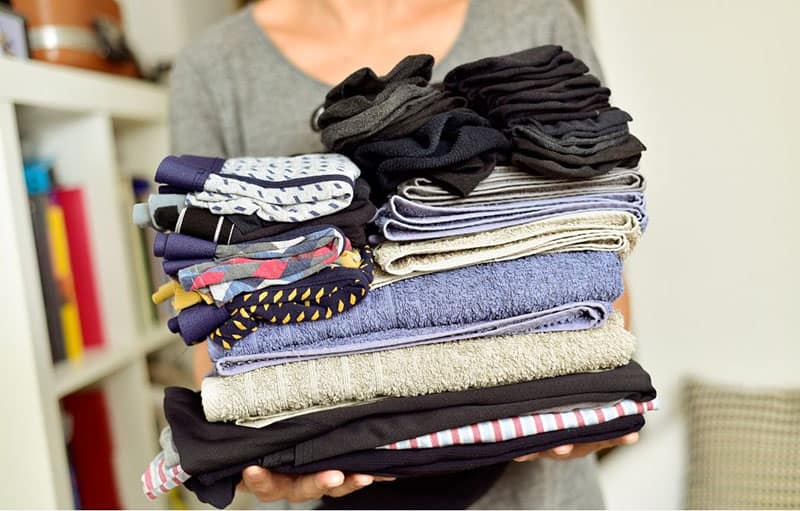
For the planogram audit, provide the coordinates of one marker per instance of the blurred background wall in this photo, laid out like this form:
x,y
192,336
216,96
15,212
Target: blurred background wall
x,y
712,86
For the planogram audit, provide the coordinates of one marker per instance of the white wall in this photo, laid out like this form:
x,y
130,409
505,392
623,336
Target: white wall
x,y
158,29
713,89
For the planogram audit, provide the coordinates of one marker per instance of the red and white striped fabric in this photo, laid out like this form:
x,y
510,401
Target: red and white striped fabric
x,y
159,478
500,430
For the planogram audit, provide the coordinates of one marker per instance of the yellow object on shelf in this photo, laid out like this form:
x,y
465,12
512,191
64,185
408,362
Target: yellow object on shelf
x,y
62,271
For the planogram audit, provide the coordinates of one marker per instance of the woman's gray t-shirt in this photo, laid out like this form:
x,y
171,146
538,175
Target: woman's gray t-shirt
x,y
234,94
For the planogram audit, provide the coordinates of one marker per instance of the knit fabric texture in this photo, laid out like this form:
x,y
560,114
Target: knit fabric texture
x,y
457,149
608,231
277,189
744,447
510,184
558,118
403,220
416,371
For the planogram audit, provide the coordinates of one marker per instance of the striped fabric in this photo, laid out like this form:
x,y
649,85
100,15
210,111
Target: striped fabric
x,y
159,478
500,430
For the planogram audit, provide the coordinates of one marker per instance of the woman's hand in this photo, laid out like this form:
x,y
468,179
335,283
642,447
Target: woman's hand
x,y
572,451
269,486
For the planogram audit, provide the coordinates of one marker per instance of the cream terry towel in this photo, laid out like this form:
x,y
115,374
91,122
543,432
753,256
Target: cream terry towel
x,y
610,231
416,371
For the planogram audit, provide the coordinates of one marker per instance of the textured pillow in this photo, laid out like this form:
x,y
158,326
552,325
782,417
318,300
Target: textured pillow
x,y
744,448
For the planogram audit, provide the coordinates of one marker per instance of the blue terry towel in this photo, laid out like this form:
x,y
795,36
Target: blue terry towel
x,y
486,292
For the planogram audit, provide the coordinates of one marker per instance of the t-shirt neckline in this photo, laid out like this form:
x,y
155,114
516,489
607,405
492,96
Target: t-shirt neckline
x,y
267,43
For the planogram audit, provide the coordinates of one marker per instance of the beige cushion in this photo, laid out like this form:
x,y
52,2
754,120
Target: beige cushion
x,y
744,448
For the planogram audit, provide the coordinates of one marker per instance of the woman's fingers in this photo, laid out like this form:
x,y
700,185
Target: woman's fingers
x,y
352,483
314,486
571,451
264,484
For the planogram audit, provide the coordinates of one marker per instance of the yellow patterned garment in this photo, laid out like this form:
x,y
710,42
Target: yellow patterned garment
x,y
180,299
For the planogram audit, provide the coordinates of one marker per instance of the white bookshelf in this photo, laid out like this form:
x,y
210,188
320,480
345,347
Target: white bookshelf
x,y
96,128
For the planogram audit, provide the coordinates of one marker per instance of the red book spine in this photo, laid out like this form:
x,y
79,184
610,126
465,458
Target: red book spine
x,y
80,252
92,449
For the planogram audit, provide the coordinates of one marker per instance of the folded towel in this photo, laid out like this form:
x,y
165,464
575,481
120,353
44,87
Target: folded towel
x,y
574,316
510,184
415,371
277,189
247,267
403,220
453,299
609,231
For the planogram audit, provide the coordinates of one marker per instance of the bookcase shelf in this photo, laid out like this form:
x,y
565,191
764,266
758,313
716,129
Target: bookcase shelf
x,y
97,129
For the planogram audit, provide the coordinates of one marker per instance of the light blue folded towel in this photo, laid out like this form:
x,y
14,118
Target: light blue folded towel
x,y
454,300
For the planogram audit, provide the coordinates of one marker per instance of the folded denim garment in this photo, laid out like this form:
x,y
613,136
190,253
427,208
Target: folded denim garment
x,y
574,316
404,220
416,371
458,299
277,189
510,184
320,296
247,267
608,231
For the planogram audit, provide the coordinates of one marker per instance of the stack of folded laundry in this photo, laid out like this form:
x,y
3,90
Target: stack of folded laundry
x,y
485,330
243,235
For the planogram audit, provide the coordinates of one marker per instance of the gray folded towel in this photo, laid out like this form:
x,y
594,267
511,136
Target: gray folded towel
x,y
509,184
610,231
416,371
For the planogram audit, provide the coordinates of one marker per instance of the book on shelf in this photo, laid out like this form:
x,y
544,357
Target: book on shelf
x,y
62,266
80,252
39,186
91,449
